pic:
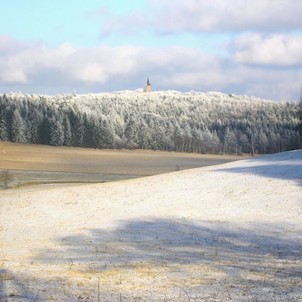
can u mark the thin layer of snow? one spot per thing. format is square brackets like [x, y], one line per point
[231, 232]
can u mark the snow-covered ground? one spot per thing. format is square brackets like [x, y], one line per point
[231, 232]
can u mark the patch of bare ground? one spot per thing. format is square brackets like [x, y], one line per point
[22, 164]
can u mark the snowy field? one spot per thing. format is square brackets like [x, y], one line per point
[230, 232]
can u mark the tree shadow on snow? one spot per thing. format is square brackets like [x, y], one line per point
[13, 288]
[243, 262]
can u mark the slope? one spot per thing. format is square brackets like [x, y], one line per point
[223, 233]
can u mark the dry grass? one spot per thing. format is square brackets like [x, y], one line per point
[22, 164]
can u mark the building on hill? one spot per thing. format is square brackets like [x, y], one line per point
[148, 86]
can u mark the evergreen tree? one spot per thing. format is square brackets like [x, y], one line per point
[56, 132]
[44, 131]
[18, 128]
[106, 134]
[178, 139]
[67, 131]
[143, 137]
[300, 117]
[230, 142]
[34, 119]
[262, 143]
[4, 135]
[131, 133]
[186, 122]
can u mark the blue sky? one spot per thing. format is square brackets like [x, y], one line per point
[234, 46]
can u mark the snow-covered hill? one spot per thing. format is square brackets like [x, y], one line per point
[231, 232]
[196, 122]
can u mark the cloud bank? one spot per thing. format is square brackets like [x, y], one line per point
[232, 15]
[275, 50]
[258, 51]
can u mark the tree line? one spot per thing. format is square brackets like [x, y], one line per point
[173, 121]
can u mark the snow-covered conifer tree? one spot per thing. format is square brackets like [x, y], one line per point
[56, 132]
[18, 128]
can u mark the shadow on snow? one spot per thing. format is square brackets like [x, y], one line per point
[255, 257]
[251, 262]
[285, 166]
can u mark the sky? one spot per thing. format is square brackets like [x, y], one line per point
[233, 46]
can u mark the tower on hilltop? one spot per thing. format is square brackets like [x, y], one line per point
[148, 86]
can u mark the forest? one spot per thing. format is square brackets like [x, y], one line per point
[197, 122]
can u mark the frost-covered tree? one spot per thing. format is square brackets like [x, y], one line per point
[106, 135]
[18, 128]
[77, 122]
[263, 142]
[230, 142]
[178, 139]
[67, 131]
[300, 124]
[34, 120]
[131, 133]
[186, 122]
[56, 132]
[4, 131]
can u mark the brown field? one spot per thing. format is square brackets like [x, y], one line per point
[22, 164]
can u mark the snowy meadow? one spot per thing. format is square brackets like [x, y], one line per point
[229, 232]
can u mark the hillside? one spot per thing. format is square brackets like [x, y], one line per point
[169, 121]
[229, 232]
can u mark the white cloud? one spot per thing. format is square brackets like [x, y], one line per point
[92, 73]
[276, 50]
[7, 44]
[42, 69]
[96, 65]
[13, 68]
[178, 16]
[213, 15]
[13, 76]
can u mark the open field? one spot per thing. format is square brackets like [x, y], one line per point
[33, 164]
[231, 232]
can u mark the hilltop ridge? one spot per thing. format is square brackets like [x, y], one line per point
[170, 121]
